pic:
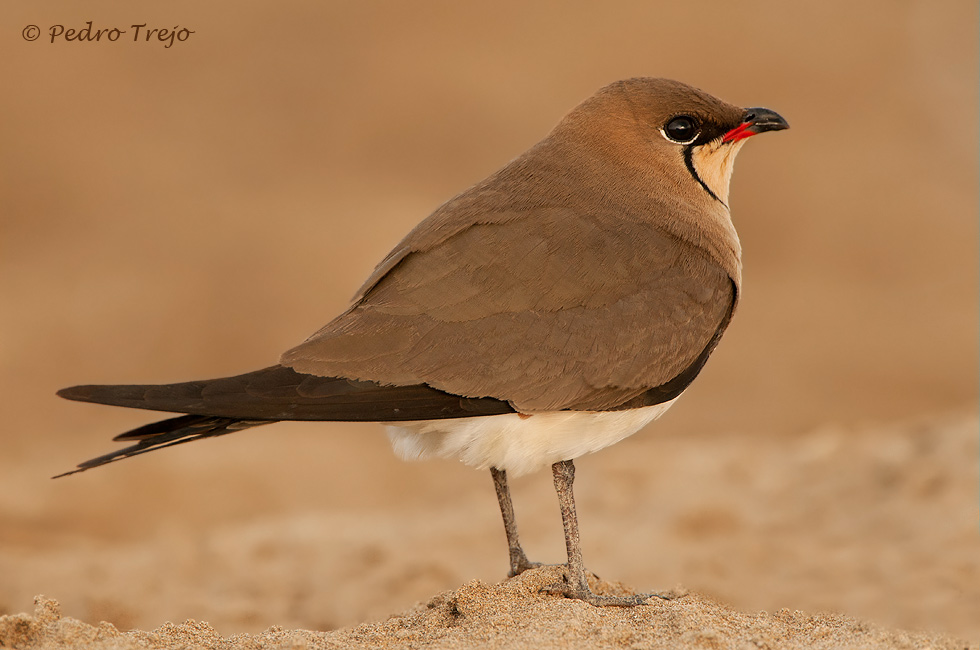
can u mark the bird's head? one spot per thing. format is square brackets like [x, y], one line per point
[675, 131]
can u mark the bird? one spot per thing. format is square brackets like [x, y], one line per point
[548, 311]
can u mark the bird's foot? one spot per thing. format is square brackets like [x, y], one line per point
[582, 591]
[519, 564]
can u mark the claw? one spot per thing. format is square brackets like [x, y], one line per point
[522, 565]
[585, 594]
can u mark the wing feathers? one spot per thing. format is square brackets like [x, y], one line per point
[551, 311]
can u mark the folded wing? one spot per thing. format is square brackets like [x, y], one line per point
[547, 310]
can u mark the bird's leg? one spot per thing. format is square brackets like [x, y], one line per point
[518, 561]
[577, 584]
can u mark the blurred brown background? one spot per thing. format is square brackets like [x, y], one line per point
[192, 211]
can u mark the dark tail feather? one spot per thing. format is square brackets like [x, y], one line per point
[215, 407]
[168, 433]
[279, 393]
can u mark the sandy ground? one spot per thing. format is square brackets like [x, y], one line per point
[192, 211]
[877, 523]
[507, 615]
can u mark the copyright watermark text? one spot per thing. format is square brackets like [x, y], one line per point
[138, 33]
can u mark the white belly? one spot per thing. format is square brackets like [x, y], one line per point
[519, 444]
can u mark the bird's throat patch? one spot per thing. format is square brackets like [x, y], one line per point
[711, 164]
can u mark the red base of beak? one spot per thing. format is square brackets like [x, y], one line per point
[740, 132]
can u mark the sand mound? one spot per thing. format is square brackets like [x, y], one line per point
[511, 614]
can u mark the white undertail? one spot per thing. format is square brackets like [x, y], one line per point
[519, 443]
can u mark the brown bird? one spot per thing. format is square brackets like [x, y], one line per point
[548, 311]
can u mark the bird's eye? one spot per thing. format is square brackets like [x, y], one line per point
[681, 129]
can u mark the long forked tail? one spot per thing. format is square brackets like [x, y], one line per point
[215, 407]
[167, 433]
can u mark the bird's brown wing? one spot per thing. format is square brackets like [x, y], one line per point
[547, 310]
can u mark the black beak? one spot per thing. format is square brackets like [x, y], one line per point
[756, 120]
[762, 119]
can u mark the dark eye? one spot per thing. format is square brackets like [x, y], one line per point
[682, 129]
